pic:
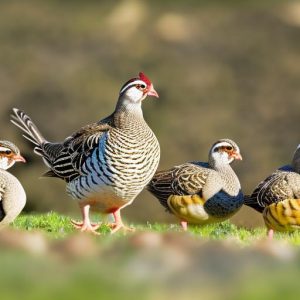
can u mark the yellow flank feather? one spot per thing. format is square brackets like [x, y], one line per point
[283, 216]
[190, 208]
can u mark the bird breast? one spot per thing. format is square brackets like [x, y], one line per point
[123, 161]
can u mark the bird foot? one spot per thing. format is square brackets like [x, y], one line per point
[117, 226]
[270, 234]
[184, 225]
[86, 227]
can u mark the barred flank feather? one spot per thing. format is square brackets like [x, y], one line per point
[252, 202]
[283, 216]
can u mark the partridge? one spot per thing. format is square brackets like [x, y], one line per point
[12, 194]
[278, 197]
[198, 192]
[105, 164]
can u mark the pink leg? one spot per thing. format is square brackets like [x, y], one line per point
[184, 225]
[270, 234]
[118, 224]
[86, 225]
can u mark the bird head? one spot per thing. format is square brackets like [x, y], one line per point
[137, 89]
[9, 154]
[296, 160]
[225, 151]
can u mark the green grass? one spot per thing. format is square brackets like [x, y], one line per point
[59, 226]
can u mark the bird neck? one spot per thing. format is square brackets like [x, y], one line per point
[6, 163]
[128, 113]
[231, 182]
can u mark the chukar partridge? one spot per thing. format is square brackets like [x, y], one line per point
[105, 164]
[278, 197]
[201, 193]
[12, 194]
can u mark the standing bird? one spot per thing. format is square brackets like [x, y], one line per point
[278, 198]
[12, 194]
[201, 193]
[105, 164]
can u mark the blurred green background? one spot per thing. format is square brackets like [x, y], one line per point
[222, 69]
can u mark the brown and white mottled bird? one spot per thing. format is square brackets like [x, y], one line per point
[12, 194]
[201, 193]
[278, 197]
[105, 164]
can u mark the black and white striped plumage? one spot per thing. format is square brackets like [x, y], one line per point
[108, 163]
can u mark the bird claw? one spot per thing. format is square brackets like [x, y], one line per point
[116, 227]
[84, 227]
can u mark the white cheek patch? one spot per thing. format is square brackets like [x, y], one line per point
[298, 147]
[134, 94]
[5, 163]
[222, 157]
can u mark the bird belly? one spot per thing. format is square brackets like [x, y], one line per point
[196, 210]
[223, 205]
[283, 215]
[102, 198]
[105, 201]
[191, 208]
[14, 197]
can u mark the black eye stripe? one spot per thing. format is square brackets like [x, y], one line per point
[130, 85]
[228, 148]
[7, 151]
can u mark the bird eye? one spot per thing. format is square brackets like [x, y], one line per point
[140, 86]
[7, 151]
[229, 148]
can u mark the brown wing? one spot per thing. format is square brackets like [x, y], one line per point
[273, 189]
[186, 179]
[67, 161]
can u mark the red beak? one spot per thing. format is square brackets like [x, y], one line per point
[152, 92]
[19, 158]
[236, 156]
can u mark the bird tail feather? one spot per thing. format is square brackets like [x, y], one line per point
[32, 134]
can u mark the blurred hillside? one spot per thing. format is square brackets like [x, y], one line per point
[222, 69]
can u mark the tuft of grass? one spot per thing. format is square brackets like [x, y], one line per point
[52, 223]
[59, 226]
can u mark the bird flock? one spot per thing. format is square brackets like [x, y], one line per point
[106, 164]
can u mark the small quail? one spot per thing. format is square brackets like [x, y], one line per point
[278, 197]
[12, 194]
[201, 193]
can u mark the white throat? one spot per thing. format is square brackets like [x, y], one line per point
[5, 163]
